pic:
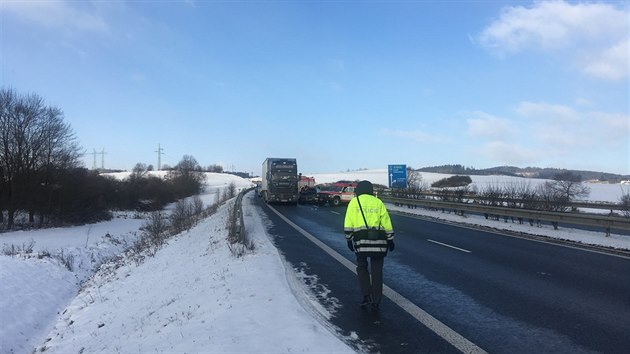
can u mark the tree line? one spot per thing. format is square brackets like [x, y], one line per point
[41, 175]
[165, 167]
[552, 195]
[530, 172]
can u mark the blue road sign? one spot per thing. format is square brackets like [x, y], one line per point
[397, 176]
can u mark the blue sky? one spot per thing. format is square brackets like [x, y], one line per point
[337, 84]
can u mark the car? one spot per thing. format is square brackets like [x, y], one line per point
[335, 194]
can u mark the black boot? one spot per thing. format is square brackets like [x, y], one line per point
[367, 300]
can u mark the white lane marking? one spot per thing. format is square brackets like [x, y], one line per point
[335, 212]
[504, 234]
[439, 328]
[446, 245]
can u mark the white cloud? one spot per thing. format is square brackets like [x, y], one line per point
[506, 153]
[608, 64]
[583, 102]
[613, 127]
[565, 128]
[485, 124]
[56, 14]
[551, 134]
[549, 113]
[594, 36]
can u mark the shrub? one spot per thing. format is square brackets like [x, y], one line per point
[453, 181]
[180, 218]
[625, 204]
[12, 250]
[155, 229]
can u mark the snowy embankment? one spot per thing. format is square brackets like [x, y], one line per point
[192, 296]
[34, 290]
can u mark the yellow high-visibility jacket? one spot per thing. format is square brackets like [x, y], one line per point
[376, 217]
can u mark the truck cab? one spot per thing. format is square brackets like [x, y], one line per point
[279, 181]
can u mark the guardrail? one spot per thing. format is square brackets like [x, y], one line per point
[607, 222]
[237, 224]
[505, 201]
[236, 232]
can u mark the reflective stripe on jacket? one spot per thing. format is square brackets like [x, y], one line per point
[376, 217]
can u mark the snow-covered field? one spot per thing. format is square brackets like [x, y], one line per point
[600, 192]
[193, 295]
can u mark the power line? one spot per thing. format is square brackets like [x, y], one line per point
[94, 154]
[103, 159]
[160, 152]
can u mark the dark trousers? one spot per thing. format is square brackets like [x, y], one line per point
[372, 286]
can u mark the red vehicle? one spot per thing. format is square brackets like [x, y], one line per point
[306, 182]
[335, 193]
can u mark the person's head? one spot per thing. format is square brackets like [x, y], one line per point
[364, 187]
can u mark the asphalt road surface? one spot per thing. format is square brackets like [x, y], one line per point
[458, 289]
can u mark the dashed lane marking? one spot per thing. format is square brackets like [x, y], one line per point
[447, 245]
[439, 328]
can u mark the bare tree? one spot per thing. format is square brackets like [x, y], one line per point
[491, 195]
[188, 164]
[3, 195]
[415, 183]
[231, 190]
[624, 200]
[156, 228]
[197, 205]
[215, 168]
[180, 218]
[36, 146]
[550, 198]
[187, 174]
[569, 185]
[139, 170]
[460, 194]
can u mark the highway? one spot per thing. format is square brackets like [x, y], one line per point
[452, 289]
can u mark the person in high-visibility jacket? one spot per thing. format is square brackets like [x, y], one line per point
[369, 234]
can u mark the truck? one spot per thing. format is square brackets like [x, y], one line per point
[306, 182]
[279, 180]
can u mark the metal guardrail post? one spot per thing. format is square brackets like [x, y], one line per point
[239, 223]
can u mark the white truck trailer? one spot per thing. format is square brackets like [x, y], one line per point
[279, 180]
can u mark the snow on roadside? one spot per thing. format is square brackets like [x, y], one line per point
[32, 293]
[34, 290]
[194, 296]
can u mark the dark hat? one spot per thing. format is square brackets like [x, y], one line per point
[364, 187]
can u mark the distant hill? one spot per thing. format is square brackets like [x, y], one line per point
[529, 172]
